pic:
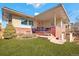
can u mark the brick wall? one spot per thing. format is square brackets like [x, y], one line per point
[24, 31]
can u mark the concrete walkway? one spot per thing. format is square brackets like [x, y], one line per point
[53, 39]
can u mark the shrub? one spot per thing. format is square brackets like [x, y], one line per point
[9, 31]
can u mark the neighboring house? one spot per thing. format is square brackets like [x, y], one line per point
[75, 28]
[53, 21]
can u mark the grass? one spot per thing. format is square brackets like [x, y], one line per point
[36, 47]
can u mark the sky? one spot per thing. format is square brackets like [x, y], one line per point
[33, 9]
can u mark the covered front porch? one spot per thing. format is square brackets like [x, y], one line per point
[52, 22]
[52, 26]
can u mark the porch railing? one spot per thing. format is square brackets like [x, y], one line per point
[44, 31]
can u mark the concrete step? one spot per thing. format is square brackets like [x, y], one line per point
[53, 39]
[57, 41]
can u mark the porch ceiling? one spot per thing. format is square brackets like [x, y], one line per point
[57, 11]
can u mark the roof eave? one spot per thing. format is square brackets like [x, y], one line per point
[15, 12]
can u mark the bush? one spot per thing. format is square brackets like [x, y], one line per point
[9, 31]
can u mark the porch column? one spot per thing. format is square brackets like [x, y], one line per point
[53, 28]
[61, 24]
[62, 32]
[54, 20]
[71, 33]
[71, 37]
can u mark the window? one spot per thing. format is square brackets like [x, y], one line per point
[9, 16]
[30, 22]
[27, 21]
[24, 22]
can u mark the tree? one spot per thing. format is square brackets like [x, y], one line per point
[1, 31]
[9, 31]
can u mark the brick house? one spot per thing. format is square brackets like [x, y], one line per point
[54, 21]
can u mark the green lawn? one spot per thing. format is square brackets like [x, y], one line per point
[38, 46]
